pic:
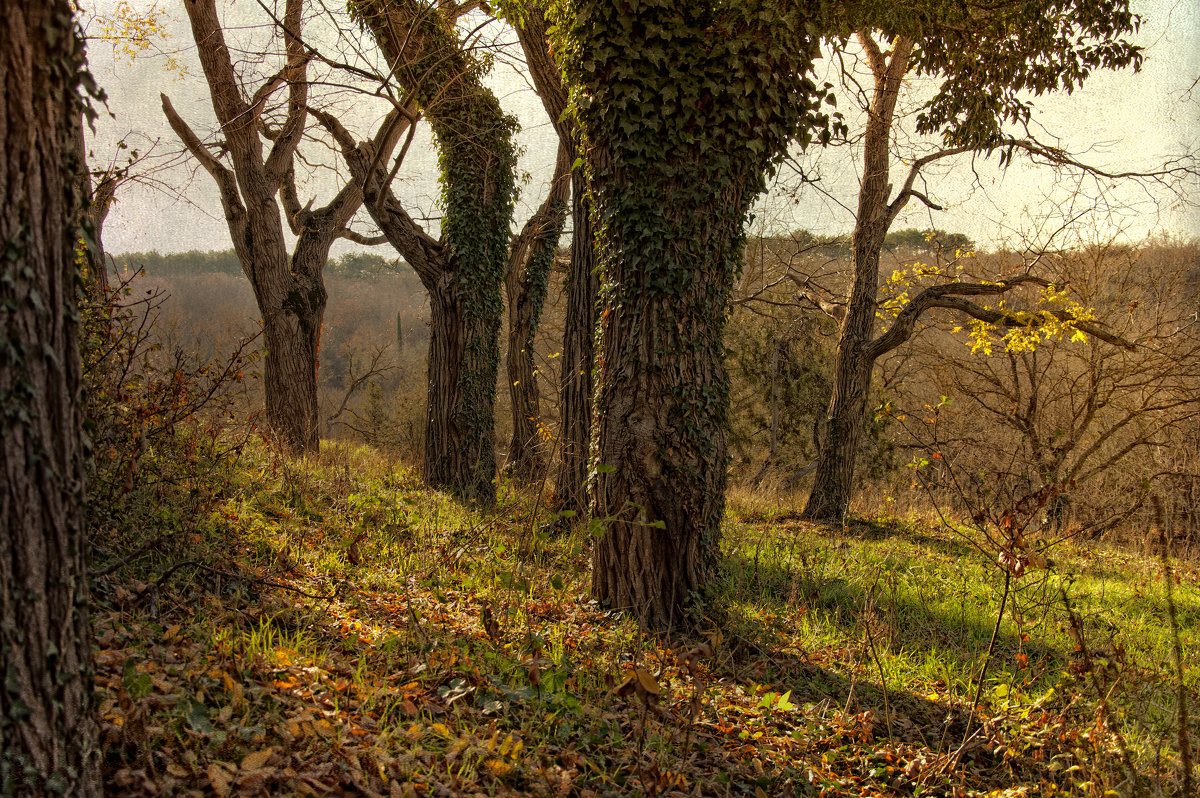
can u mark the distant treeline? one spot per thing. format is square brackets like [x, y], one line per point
[365, 265]
[928, 241]
[179, 264]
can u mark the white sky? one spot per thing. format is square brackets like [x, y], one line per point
[1122, 121]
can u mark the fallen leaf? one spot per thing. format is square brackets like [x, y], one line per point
[258, 759]
[219, 779]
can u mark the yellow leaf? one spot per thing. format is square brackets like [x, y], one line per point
[257, 760]
[219, 779]
[497, 767]
[441, 729]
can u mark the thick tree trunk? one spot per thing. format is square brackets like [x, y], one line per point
[525, 285]
[47, 734]
[662, 395]
[675, 152]
[459, 440]
[843, 425]
[464, 272]
[579, 335]
[292, 331]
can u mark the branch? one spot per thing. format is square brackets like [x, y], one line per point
[231, 201]
[292, 131]
[834, 310]
[950, 296]
[373, 370]
[424, 253]
[906, 191]
[359, 238]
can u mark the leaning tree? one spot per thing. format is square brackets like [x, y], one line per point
[463, 270]
[990, 60]
[47, 734]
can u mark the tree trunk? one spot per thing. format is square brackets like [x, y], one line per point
[525, 284]
[47, 734]
[459, 445]
[843, 425]
[579, 335]
[289, 291]
[464, 272]
[293, 337]
[681, 116]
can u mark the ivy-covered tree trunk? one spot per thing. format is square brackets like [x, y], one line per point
[525, 285]
[578, 356]
[47, 734]
[464, 272]
[676, 150]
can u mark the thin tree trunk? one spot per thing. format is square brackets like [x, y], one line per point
[579, 335]
[582, 284]
[525, 284]
[47, 733]
[842, 428]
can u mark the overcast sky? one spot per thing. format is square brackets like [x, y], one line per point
[1119, 121]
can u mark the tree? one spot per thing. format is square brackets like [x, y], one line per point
[289, 289]
[47, 734]
[533, 252]
[583, 281]
[682, 108]
[985, 58]
[525, 285]
[464, 271]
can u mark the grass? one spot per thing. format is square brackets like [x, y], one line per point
[342, 630]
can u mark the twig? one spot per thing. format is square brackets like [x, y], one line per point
[158, 583]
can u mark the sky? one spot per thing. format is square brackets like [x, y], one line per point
[1122, 121]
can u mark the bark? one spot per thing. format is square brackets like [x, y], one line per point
[47, 733]
[289, 291]
[843, 425]
[583, 282]
[579, 336]
[661, 404]
[464, 272]
[525, 285]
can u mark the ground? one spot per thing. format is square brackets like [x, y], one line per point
[330, 627]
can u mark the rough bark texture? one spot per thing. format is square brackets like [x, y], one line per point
[525, 286]
[290, 293]
[47, 734]
[464, 272]
[583, 282]
[682, 109]
[842, 427]
[578, 356]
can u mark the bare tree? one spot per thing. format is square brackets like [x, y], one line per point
[288, 287]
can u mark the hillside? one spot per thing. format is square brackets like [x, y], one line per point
[329, 627]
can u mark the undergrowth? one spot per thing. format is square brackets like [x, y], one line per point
[330, 627]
